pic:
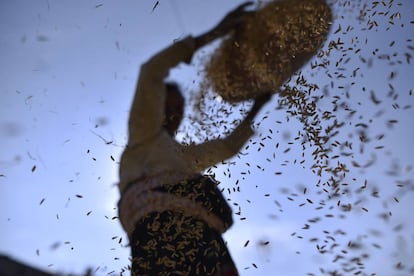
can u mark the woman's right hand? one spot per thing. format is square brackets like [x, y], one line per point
[230, 22]
[233, 19]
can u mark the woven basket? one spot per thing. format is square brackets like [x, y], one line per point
[273, 44]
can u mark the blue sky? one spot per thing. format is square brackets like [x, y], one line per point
[68, 74]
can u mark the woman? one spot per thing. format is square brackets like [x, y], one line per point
[173, 215]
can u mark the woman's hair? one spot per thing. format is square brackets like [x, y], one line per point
[172, 86]
[174, 107]
[174, 91]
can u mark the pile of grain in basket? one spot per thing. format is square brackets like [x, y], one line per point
[274, 43]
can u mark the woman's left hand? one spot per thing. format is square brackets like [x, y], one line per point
[259, 102]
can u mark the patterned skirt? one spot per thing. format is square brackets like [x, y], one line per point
[175, 242]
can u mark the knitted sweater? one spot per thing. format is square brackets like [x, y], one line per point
[151, 151]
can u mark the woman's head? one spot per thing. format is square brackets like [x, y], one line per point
[174, 108]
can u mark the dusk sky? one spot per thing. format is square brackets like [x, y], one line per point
[68, 72]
